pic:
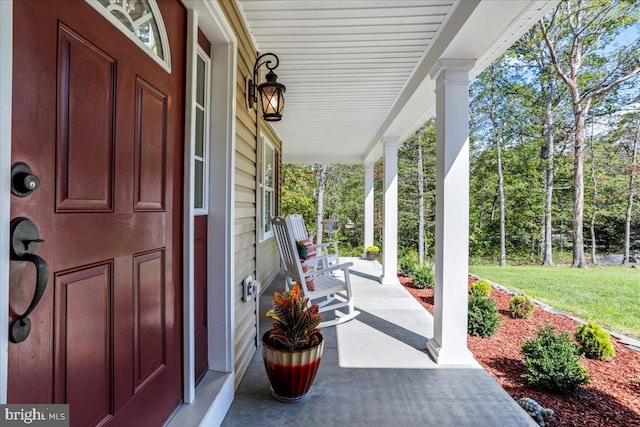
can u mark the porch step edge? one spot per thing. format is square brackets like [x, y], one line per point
[214, 396]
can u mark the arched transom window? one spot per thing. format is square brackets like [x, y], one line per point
[142, 22]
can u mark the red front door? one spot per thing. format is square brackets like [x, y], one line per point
[101, 124]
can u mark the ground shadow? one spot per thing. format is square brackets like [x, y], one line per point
[364, 275]
[393, 330]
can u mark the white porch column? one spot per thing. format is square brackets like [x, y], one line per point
[390, 220]
[368, 205]
[449, 343]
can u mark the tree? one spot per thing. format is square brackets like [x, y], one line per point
[589, 71]
[531, 48]
[496, 124]
[628, 133]
[321, 179]
[297, 190]
[594, 208]
[497, 140]
[416, 192]
[633, 170]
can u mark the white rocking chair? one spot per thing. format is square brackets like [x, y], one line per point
[300, 233]
[334, 292]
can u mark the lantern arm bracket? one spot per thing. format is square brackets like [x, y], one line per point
[252, 85]
[266, 62]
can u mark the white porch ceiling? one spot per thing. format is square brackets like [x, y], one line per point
[357, 71]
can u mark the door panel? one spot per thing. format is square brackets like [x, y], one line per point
[86, 94]
[149, 319]
[200, 295]
[150, 143]
[84, 344]
[101, 124]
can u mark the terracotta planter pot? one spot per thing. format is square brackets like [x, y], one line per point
[372, 256]
[291, 373]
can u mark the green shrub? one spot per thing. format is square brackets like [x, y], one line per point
[483, 315]
[552, 363]
[423, 277]
[408, 265]
[594, 342]
[481, 286]
[521, 307]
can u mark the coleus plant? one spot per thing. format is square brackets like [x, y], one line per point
[296, 322]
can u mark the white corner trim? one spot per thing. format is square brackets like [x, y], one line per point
[6, 82]
[222, 210]
[188, 299]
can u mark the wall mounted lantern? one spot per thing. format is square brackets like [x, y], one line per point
[271, 92]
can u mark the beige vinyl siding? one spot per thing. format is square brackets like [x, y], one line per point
[268, 262]
[247, 252]
[245, 195]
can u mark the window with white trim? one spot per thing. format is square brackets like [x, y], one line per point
[201, 144]
[141, 21]
[267, 185]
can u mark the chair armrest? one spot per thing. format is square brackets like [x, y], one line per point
[325, 247]
[322, 245]
[318, 260]
[334, 267]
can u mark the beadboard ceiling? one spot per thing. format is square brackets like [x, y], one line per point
[357, 71]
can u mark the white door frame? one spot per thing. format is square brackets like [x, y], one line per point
[209, 17]
[6, 81]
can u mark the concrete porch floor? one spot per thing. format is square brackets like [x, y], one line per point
[375, 371]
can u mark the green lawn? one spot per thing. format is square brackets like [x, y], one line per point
[610, 296]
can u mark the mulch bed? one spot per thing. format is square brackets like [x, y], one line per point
[611, 399]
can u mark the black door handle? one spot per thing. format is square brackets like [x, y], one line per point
[21, 327]
[24, 242]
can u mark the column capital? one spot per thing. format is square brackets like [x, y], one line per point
[369, 165]
[456, 65]
[391, 142]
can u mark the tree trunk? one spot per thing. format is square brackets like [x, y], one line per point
[578, 190]
[497, 137]
[592, 227]
[322, 180]
[632, 190]
[421, 203]
[549, 172]
[503, 252]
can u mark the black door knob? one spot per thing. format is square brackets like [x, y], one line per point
[23, 181]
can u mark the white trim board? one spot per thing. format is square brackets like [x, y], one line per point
[188, 299]
[6, 81]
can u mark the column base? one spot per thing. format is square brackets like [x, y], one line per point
[389, 280]
[445, 356]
